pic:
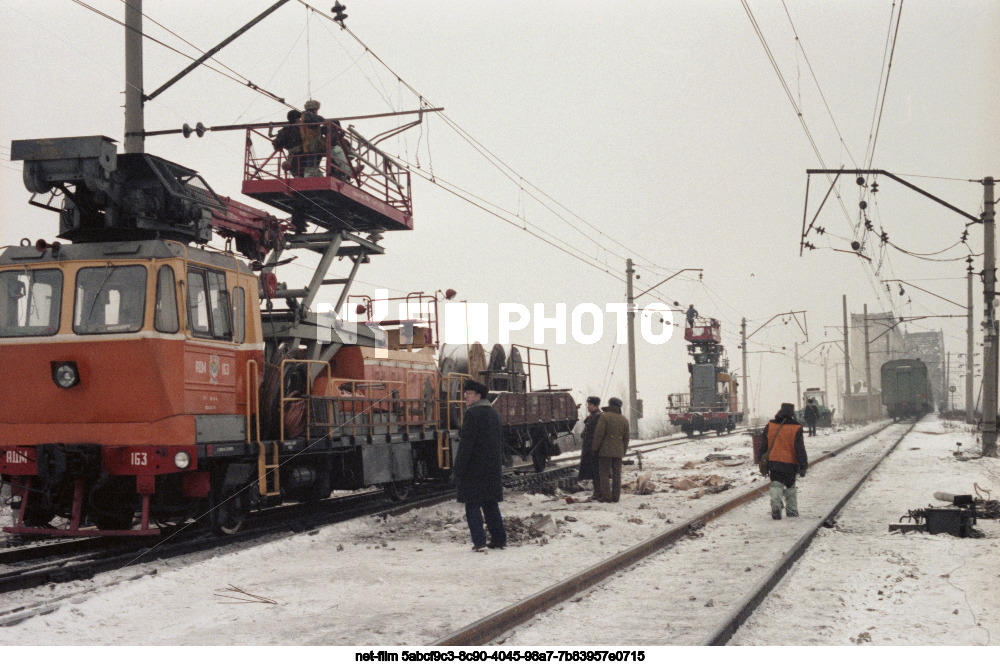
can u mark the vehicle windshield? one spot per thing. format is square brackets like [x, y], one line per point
[30, 301]
[109, 299]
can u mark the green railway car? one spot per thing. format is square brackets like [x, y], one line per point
[906, 390]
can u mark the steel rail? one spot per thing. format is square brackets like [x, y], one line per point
[725, 630]
[332, 511]
[493, 626]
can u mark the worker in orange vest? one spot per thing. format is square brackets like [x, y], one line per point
[786, 456]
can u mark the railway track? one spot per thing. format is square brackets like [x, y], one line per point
[495, 626]
[40, 564]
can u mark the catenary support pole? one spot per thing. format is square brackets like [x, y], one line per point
[868, 368]
[633, 397]
[989, 323]
[970, 363]
[847, 369]
[743, 346]
[798, 383]
[134, 123]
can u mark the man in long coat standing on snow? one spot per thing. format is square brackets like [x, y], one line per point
[611, 439]
[588, 458]
[478, 468]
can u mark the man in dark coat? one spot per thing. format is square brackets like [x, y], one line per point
[289, 139]
[610, 443]
[588, 458]
[786, 456]
[478, 468]
[811, 415]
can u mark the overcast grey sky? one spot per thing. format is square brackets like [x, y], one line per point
[660, 127]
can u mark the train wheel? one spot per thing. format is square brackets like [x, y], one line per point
[398, 490]
[228, 516]
[538, 457]
[37, 516]
[320, 489]
[112, 503]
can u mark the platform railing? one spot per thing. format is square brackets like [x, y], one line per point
[368, 168]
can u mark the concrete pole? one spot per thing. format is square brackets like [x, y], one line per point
[798, 384]
[868, 365]
[847, 368]
[826, 381]
[840, 395]
[990, 323]
[134, 122]
[743, 345]
[970, 364]
[947, 382]
[633, 397]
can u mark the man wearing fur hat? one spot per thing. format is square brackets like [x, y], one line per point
[786, 456]
[478, 468]
[313, 138]
[588, 458]
[611, 438]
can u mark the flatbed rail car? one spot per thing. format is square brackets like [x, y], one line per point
[151, 380]
[711, 401]
[906, 388]
[533, 416]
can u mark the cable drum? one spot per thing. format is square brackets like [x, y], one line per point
[462, 359]
[498, 358]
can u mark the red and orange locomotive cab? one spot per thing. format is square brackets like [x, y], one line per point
[123, 361]
[125, 357]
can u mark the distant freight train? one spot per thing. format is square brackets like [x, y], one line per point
[906, 390]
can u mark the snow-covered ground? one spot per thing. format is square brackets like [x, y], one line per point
[411, 579]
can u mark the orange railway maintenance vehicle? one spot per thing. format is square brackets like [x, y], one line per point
[145, 379]
[711, 401]
[153, 379]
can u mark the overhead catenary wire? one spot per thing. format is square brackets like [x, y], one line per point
[244, 82]
[873, 138]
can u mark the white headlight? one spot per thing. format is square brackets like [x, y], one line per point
[66, 375]
[182, 460]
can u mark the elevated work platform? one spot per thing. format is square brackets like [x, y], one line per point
[349, 185]
[701, 331]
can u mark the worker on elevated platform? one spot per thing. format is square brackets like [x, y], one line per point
[315, 129]
[289, 139]
[691, 315]
[313, 134]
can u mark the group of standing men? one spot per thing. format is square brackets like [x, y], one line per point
[478, 465]
[605, 442]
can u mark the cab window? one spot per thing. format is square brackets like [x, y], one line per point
[208, 304]
[109, 299]
[166, 301]
[30, 301]
[239, 315]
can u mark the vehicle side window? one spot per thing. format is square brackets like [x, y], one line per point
[110, 299]
[197, 304]
[239, 315]
[221, 312]
[30, 302]
[208, 304]
[166, 319]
